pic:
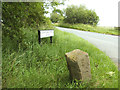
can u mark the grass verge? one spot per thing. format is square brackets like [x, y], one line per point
[85, 27]
[44, 66]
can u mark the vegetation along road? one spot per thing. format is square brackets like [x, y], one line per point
[106, 43]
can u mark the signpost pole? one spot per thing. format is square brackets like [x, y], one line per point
[39, 36]
[50, 39]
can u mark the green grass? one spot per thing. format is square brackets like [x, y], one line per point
[85, 27]
[44, 66]
[119, 79]
[0, 57]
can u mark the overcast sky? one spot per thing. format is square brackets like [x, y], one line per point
[107, 10]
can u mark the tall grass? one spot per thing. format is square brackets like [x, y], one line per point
[44, 66]
[85, 27]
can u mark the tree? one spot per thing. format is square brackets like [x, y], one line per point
[52, 4]
[58, 11]
[75, 14]
[18, 14]
[56, 16]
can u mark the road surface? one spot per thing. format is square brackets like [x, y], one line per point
[106, 43]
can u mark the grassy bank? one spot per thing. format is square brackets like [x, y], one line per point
[98, 29]
[44, 66]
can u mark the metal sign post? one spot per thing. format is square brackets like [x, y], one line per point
[39, 39]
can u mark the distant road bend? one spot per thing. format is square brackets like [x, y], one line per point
[106, 43]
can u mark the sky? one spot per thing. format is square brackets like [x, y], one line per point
[107, 10]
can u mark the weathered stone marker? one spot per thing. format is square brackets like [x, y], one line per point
[78, 65]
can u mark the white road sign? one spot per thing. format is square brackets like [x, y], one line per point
[46, 33]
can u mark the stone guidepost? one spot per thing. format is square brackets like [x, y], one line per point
[78, 64]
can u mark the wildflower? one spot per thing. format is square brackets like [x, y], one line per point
[110, 73]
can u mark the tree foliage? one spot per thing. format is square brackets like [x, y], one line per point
[53, 3]
[16, 15]
[75, 14]
[56, 16]
[58, 11]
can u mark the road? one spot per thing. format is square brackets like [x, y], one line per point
[106, 43]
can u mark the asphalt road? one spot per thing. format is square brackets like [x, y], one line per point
[106, 43]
